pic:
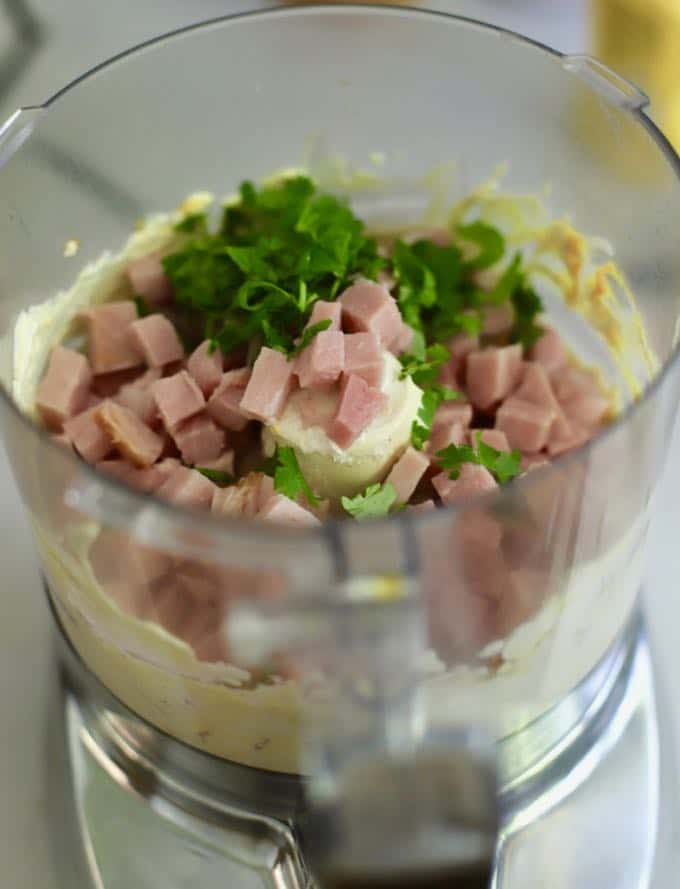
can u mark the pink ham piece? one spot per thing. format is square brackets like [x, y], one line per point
[526, 425]
[283, 511]
[187, 487]
[145, 480]
[316, 408]
[359, 405]
[110, 343]
[326, 311]
[177, 398]
[425, 506]
[369, 307]
[453, 412]
[535, 387]
[133, 439]
[224, 405]
[87, 436]
[494, 438]
[269, 386]
[462, 344]
[549, 351]
[148, 279]
[63, 390]
[245, 499]
[206, 367]
[407, 472]
[497, 319]
[580, 396]
[364, 357]
[472, 481]
[444, 434]
[322, 361]
[491, 374]
[137, 396]
[199, 440]
[223, 463]
[577, 436]
[156, 339]
[403, 340]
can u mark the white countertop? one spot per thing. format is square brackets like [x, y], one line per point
[26, 665]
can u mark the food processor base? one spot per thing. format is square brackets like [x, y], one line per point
[133, 808]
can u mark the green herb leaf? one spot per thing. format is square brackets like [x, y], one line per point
[501, 464]
[142, 306]
[511, 279]
[488, 239]
[374, 503]
[218, 476]
[308, 335]
[422, 425]
[424, 371]
[527, 307]
[288, 477]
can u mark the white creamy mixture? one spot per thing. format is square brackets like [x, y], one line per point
[207, 705]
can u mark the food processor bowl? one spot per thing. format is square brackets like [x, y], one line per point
[294, 651]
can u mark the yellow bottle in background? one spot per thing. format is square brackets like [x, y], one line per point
[640, 39]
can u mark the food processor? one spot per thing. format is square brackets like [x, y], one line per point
[379, 703]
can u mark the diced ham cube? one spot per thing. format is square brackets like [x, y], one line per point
[109, 384]
[322, 361]
[491, 374]
[199, 440]
[326, 311]
[472, 481]
[497, 319]
[577, 436]
[369, 307]
[156, 339]
[224, 405]
[407, 472]
[453, 412]
[177, 398]
[146, 480]
[359, 405]
[133, 439]
[403, 340]
[526, 425]
[64, 389]
[87, 436]
[574, 381]
[284, 511]
[549, 351]
[535, 387]
[269, 386]
[187, 487]
[586, 408]
[425, 506]
[148, 279]
[245, 499]
[110, 343]
[223, 463]
[462, 344]
[206, 367]
[364, 357]
[316, 408]
[62, 440]
[444, 434]
[492, 437]
[137, 396]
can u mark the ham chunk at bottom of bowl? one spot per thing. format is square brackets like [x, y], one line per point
[156, 339]
[472, 481]
[64, 389]
[491, 374]
[369, 307]
[110, 343]
[359, 405]
[148, 279]
[133, 438]
[269, 386]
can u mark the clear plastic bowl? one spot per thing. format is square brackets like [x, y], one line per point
[489, 639]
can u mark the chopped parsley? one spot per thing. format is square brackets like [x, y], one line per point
[423, 371]
[278, 249]
[422, 425]
[218, 476]
[489, 241]
[142, 306]
[527, 306]
[288, 477]
[502, 465]
[375, 503]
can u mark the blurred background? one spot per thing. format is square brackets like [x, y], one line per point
[44, 43]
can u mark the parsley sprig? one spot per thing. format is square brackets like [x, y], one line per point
[503, 465]
[278, 249]
[422, 425]
[375, 502]
[288, 477]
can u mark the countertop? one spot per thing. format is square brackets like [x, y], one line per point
[61, 39]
